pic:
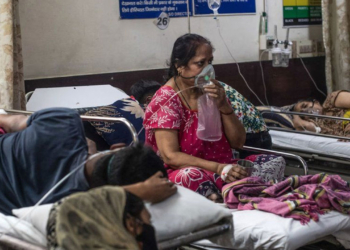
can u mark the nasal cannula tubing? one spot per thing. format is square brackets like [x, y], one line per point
[13, 227]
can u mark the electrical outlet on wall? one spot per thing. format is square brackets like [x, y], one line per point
[306, 48]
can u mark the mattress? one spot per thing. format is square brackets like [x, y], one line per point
[253, 229]
[310, 144]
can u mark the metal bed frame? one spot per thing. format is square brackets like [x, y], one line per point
[318, 161]
[9, 242]
[92, 118]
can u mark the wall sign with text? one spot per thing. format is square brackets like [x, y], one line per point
[139, 9]
[227, 7]
[302, 12]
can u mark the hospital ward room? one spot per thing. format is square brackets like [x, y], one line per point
[174, 125]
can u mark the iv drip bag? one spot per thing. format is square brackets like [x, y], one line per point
[214, 5]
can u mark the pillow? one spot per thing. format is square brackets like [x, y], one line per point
[113, 132]
[38, 217]
[276, 119]
[183, 213]
[180, 214]
[20, 229]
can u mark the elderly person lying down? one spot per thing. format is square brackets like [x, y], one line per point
[336, 104]
[38, 151]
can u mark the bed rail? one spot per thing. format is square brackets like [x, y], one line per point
[92, 118]
[311, 115]
[288, 155]
[216, 229]
[274, 110]
[308, 133]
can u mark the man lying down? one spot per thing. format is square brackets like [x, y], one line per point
[36, 152]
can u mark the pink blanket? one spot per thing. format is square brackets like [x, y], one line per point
[298, 197]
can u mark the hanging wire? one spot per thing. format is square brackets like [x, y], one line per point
[239, 70]
[311, 76]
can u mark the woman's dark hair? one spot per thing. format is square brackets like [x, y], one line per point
[313, 100]
[133, 206]
[143, 88]
[184, 49]
[127, 166]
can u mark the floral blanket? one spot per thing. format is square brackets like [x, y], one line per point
[298, 197]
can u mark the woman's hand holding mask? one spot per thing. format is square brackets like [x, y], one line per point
[217, 92]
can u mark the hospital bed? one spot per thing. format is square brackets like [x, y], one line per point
[322, 152]
[218, 232]
[11, 242]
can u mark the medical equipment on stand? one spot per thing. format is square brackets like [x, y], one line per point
[280, 58]
[276, 51]
[214, 5]
[286, 51]
[263, 24]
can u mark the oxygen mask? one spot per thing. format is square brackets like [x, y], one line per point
[205, 76]
[312, 111]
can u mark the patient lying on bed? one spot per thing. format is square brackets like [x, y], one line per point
[336, 104]
[37, 152]
[102, 218]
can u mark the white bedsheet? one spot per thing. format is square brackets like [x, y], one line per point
[252, 230]
[311, 144]
[255, 229]
[23, 230]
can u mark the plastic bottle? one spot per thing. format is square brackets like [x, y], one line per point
[276, 57]
[285, 57]
[263, 24]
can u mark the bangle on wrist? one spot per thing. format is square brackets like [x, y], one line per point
[229, 113]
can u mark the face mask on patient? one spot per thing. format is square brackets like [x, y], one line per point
[147, 237]
[204, 77]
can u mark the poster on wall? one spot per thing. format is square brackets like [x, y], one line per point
[227, 7]
[302, 13]
[139, 9]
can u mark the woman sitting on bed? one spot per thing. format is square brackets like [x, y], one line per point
[171, 123]
[336, 104]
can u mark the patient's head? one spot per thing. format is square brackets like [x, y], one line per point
[144, 90]
[308, 105]
[137, 221]
[185, 48]
[127, 166]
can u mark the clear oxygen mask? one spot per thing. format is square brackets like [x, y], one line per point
[205, 76]
[312, 111]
